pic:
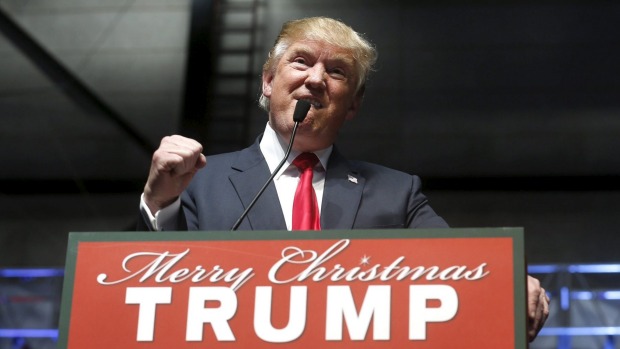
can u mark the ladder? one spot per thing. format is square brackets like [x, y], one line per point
[233, 96]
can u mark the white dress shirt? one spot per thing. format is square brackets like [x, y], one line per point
[273, 149]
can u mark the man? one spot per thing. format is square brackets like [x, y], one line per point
[326, 63]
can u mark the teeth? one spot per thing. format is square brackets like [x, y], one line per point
[313, 103]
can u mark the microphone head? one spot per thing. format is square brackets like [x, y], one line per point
[301, 110]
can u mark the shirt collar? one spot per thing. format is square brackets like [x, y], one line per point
[273, 148]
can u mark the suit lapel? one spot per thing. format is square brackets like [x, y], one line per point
[342, 193]
[252, 174]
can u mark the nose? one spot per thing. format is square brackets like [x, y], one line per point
[316, 76]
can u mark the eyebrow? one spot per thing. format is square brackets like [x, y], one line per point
[344, 58]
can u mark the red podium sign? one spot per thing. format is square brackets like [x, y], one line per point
[440, 288]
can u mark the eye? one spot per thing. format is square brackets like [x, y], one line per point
[300, 60]
[338, 73]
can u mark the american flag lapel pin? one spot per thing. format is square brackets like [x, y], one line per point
[352, 179]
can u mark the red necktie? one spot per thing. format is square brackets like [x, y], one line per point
[305, 207]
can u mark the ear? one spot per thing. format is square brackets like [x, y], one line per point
[267, 79]
[355, 106]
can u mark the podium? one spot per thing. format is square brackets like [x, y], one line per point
[425, 288]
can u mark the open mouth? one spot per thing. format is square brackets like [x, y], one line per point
[314, 103]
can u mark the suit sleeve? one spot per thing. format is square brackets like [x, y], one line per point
[420, 214]
[170, 218]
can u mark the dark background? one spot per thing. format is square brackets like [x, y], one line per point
[509, 111]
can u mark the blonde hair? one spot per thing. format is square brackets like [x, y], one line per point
[330, 31]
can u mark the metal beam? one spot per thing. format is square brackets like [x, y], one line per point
[18, 186]
[65, 80]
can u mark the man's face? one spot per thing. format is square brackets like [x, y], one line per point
[322, 74]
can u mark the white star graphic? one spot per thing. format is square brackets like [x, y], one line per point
[365, 260]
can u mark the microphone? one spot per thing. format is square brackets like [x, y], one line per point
[301, 110]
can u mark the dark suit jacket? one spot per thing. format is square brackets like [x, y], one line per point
[357, 195]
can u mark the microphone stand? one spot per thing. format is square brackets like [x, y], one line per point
[301, 109]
